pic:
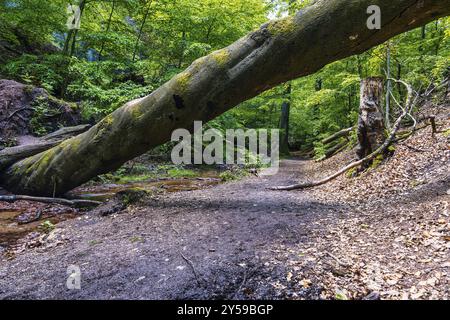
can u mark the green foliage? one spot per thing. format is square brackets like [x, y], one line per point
[233, 174]
[113, 62]
[47, 226]
[40, 114]
[181, 173]
[46, 71]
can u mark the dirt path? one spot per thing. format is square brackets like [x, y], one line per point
[384, 234]
[211, 243]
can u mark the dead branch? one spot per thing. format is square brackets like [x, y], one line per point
[67, 132]
[332, 151]
[65, 202]
[191, 265]
[343, 264]
[342, 133]
[405, 111]
[17, 111]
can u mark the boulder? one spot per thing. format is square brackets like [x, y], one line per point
[28, 110]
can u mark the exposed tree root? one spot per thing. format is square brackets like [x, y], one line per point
[65, 202]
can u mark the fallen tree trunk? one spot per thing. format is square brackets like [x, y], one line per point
[333, 150]
[279, 51]
[11, 155]
[343, 133]
[370, 157]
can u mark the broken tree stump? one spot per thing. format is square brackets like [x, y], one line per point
[371, 127]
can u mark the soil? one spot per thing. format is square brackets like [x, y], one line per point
[384, 234]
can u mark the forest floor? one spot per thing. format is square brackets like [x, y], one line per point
[384, 234]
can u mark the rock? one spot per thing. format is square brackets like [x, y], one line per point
[19, 104]
[121, 201]
[372, 296]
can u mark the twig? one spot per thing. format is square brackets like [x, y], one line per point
[17, 111]
[189, 262]
[242, 283]
[343, 264]
[176, 231]
[413, 149]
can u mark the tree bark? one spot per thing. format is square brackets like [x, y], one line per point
[343, 133]
[275, 53]
[75, 32]
[141, 29]
[371, 126]
[11, 155]
[284, 121]
[108, 27]
[387, 112]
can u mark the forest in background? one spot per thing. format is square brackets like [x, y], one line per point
[127, 48]
[93, 204]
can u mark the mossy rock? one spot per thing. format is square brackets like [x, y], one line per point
[132, 196]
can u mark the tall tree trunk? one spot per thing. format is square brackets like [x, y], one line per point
[371, 126]
[388, 86]
[284, 120]
[399, 76]
[70, 42]
[75, 32]
[141, 29]
[67, 42]
[108, 27]
[277, 52]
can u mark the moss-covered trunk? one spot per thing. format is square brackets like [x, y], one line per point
[277, 52]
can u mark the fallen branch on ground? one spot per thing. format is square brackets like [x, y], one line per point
[405, 112]
[332, 151]
[342, 133]
[191, 265]
[65, 202]
[66, 132]
[17, 111]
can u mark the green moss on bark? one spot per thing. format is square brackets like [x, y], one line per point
[282, 26]
[221, 57]
[182, 81]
